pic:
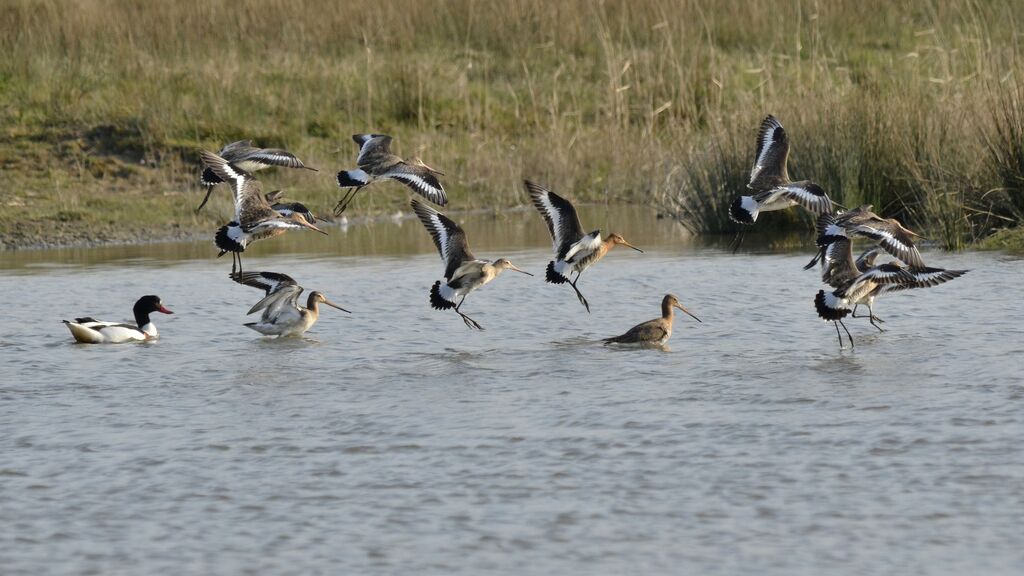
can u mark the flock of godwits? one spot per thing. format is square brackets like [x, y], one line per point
[853, 282]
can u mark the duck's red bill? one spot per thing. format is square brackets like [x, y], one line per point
[164, 310]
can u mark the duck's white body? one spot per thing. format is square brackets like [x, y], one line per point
[90, 331]
[97, 332]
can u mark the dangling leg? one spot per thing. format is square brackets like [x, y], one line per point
[873, 318]
[838, 335]
[209, 189]
[345, 200]
[737, 240]
[468, 321]
[580, 294]
[847, 335]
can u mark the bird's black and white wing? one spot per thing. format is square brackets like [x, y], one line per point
[280, 289]
[560, 216]
[371, 146]
[772, 151]
[892, 238]
[867, 258]
[448, 237]
[248, 192]
[420, 179]
[925, 278]
[271, 157]
[883, 274]
[805, 193]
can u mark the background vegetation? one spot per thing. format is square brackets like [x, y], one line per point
[915, 107]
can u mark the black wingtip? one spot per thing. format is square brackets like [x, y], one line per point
[554, 277]
[819, 257]
[436, 301]
[346, 181]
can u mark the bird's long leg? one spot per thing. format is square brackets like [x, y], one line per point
[847, 335]
[737, 240]
[209, 189]
[872, 318]
[466, 319]
[346, 200]
[838, 335]
[234, 261]
[580, 294]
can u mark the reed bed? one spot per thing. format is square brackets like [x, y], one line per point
[914, 107]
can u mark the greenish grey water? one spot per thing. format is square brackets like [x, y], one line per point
[396, 441]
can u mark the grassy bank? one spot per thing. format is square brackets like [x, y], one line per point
[915, 107]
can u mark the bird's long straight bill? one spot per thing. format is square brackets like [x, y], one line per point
[520, 271]
[680, 306]
[333, 305]
[303, 222]
[624, 243]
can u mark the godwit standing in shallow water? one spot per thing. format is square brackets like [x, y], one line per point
[858, 282]
[769, 179]
[574, 250]
[249, 159]
[254, 218]
[90, 331]
[462, 271]
[282, 313]
[376, 162]
[653, 332]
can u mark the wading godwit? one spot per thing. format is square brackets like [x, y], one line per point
[90, 331]
[463, 273]
[376, 162]
[282, 313]
[653, 332]
[859, 282]
[254, 218]
[248, 159]
[574, 250]
[769, 180]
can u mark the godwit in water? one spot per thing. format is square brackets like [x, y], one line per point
[860, 282]
[90, 331]
[254, 218]
[463, 273]
[769, 180]
[248, 159]
[282, 313]
[376, 162]
[574, 250]
[653, 332]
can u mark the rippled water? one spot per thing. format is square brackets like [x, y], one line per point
[397, 441]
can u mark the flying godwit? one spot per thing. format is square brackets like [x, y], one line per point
[282, 313]
[286, 208]
[254, 218]
[248, 159]
[463, 273]
[653, 332]
[90, 331]
[889, 234]
[574, 250]
[769, 180]
[376, 162]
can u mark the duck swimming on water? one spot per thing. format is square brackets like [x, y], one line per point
[90, 331]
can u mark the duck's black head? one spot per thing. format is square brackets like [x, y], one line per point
[146, 306]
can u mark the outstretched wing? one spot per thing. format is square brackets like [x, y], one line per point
[805, 193]
[371, 146]
[560, 216]
[925, 278]
[271, 157]
[449, 238]
[420, 179]
[893, 238]
[269, 282]
[249, 200]
[769, 168]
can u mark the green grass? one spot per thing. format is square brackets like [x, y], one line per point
[915, 107]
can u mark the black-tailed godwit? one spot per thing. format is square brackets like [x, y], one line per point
[376, 162]
[463, 272]
[282, 313]
[653, 332]
[574, 250]
[249, 159]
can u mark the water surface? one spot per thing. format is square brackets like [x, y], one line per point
[397, 441]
